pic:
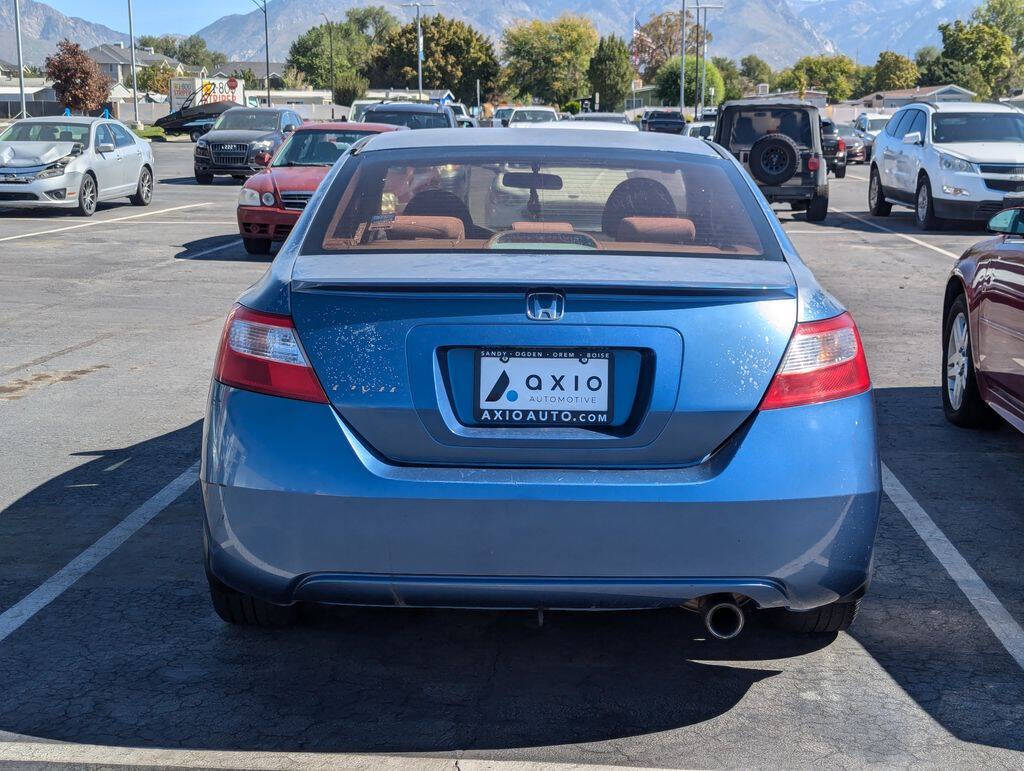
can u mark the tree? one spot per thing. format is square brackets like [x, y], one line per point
[660, 39]
[162, 44]
[246, 75]
[792, 79]
[310, 54]
[549, 59]
[372, 21]
[455, 56]
[153, 78]
[893, 70]
[735, 84]
[835, 74]
[755, 69]
[611, 71]
[667, 82]
[863, 81]
[77, 79]
[293, 79]
[192, 50]
[981, 47]
[929, 66]
[1004, 15]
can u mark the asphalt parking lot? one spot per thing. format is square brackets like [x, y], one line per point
[107, 334]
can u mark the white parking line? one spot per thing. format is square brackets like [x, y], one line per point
[94, 223]
[53, 587]
[854, 176]
[884, 229]
[998, 618]
[211, 250]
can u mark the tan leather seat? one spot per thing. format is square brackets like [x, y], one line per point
[657, 230]
[407, 227]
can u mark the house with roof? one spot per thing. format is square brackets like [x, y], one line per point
[878, 101]
[115, 60]
[259, 69]
[36, 89]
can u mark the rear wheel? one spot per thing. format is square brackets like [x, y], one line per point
[835, 617]
[257, 245]
[924, 211]
[87, 196]
[961, 399]
[817, 209]
[237, 608]
[144, 190]
[195, 134]
[204, 178]
[840, 172]
[877, 204]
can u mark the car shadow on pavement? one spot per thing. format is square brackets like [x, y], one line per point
[221, 249]
[902, 221]
[134, 655]
[915, 621]
[191, 181]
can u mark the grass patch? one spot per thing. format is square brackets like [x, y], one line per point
[150, 132]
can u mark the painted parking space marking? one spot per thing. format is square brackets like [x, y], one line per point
[884, 229]
[998, 618]
[53, 587]
[95, 223]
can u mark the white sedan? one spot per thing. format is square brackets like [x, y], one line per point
[73, 163]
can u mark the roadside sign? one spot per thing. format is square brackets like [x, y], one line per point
[232, 84]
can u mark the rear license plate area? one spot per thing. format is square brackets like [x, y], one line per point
[543, 386]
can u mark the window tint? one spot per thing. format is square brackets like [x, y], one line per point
[103, 135]
[744, 127]
[37, 131]
[121, 136]
[414, 120]
[894, 124]
[977, 127]
[248, 120]
[917, 123]
[548, 199]
[316, 148]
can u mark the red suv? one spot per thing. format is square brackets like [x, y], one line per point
[271, 201]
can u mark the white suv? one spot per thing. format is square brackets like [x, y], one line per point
[952, 160]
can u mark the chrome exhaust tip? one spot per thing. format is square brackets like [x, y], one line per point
[723, 618]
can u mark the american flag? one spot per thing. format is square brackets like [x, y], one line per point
[638, 36]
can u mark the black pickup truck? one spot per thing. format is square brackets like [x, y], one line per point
[666, 121]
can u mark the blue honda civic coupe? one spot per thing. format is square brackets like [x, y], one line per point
[539, 369]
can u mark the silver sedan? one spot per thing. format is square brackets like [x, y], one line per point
[73, 163]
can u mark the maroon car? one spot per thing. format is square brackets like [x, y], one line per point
[271, 201]
[983, 328]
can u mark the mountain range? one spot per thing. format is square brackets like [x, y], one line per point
[779, 31]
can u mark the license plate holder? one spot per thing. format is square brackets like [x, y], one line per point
[532, 386]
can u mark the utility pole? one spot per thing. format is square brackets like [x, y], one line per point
[21, 61]
[135, 80]
[682, 64]
[262, 5]
[419, 42]
[704, 58]
[330, 38]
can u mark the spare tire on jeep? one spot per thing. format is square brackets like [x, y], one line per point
[773, 159]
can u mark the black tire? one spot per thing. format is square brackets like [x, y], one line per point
[144, 189]
[798, 205]
[972, 411]
[773, 159]
[204, 178]
[924, 207]
[840, 172]
[835, 617]
[242, 609]
[877, 204]
[257, 245]
[817, 209]
[195, 134]
[88, 196]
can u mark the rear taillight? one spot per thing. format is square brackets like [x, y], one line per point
[261, 352]
[824, 361]
[841, 147]
[813, 163]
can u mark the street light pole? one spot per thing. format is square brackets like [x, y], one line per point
[135, 81]
[262, 5]
[330, 38]
[21, 62]
[419, 42]
[682, 63]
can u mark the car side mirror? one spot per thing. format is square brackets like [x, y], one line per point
[1008, 221]
[105, 147]
[504, 122]
[913, 138]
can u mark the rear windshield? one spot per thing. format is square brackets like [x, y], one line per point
[414, 120]
[316, 148]
[597, 117]
[744, 127]
[32, 131]
[977, 127]
[533, 116]
[247, 120]
[551, 199]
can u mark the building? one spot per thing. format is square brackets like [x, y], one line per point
[259, 69]
[880, 101]
[114, 61]
[290, 98]
[36, 89]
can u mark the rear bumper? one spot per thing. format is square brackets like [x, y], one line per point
[777, 193]
[298, 509]
[267, 222]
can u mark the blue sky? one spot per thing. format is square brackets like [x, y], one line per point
[152, 16]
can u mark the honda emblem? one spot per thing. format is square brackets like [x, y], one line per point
[545, 306]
